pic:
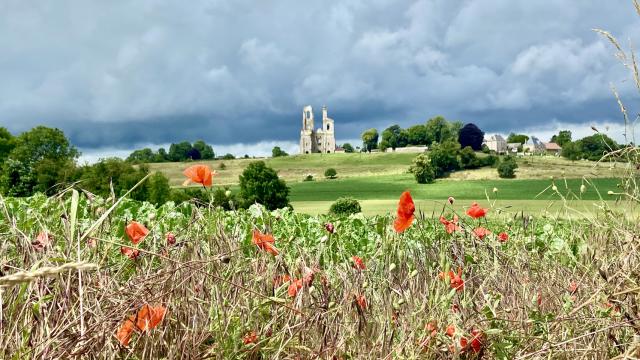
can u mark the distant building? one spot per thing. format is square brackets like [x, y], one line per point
[339, 150]
[534, 145]
[322, 140]
[496, 143]
[552, 148]
[408, 149]
[513, 147]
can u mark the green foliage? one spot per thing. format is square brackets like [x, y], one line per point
[468, 158]
[422, 169]
[444, 158]
[309, 177]
[345, 206]
[485, 149]
[517, 138]
[592, 147]
[507, 168]
[7, 143]
[470, 135]
[439, 130]
[277, 152]
[222, 166]
[330, 173]
[42, 158]
[100, 177]
[347, 148]
[384, 145]
[260, 184]
[159, 189]
[563, 137]
[205, 150]
[224, 198]
[142, 156]
[370, 140]
[395, 136]
[200, 195]
[572, 150]
[417, 135]
[179, 151]
[228, 156]
[490, 160]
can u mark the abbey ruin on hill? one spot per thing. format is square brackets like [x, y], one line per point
[322, 140]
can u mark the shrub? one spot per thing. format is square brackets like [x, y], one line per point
[345, 206]
[278, 152]
[159, 189]
[422, 169]
[224, 198]
[330, 173]
[490, 160]
[507, 168]
[228, 157]
[222, 166]
[444, 158]
[309, 177]
[468, 158]
[260, 184]
[188, 194]
[347, 148]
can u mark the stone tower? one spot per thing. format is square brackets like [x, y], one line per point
[322, 140]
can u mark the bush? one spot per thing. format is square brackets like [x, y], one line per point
[507, 168]
[309, 177]
[422, 169]
[260, 184]
[278, 152]
[224, 198]
[444, 158]
[188, 194]
[228, 157]
[330, 173]
[222, 166]
[345, 206]
[468, 159]
[490, 160]
[159, 189]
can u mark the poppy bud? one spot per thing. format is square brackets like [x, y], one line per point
[171, 239]
[495, 190]
[329, 227]
[583, 189]
[554, 188]
[227, 193]
[610, 192]
[451, 200]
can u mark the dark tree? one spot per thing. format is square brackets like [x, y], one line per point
[206, 151]
[178, 152]
[194, 154]
[395, 136]
[471, 135]
[347, 148]
[260, 184]
[563, 137]
[278, 152]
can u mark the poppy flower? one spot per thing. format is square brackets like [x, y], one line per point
[279, 280]
[42, 241]
[451, 330]
[136, 232]
[265, 242]
[130, 252]
[294, 287]
[150, 317]
[308, 276]
[432, 328]
[481, 232]
[503, 237]
[405, 217]
[573, 287]
[476, 212]
[456, 280]
[476, 341]
[125, 331]
[361, 301]
[200, 174]
[171, 239]
[358, 263]
[329, 227]
[450, 226]
[250, 338]
[539, 298]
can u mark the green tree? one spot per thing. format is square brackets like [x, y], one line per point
[260, 184]
[468, 158]
[345, 206]
[417, 135]
[563, 137]
[422, 169]
[572, 150]
[161, 155]
[444, 157]
[7, 143]
[517, 138]
[347, 148]
[395, 136]
[439, 130]
[507, 168]
[471, 136]
[370, 139]
[228, 156]
[330, 173]
[159, 189]
[48, 156]
[206, 151]
[178, 152]
[277, 152]
[145, 155]
[117, 173]
[594, 147]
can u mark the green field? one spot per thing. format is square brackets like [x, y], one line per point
[377, 179]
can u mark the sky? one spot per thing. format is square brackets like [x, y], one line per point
[119, 75]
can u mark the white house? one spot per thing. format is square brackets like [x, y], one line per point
[496, 143]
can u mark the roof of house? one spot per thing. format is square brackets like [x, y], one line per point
[496, 137]
[552, 146]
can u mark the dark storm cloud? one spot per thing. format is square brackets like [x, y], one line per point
[152, 72]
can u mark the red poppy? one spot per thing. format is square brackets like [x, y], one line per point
[130, 252]
[358, 263]
[476, 341]
[150, 317]
[308, 276]
[432, 328]
[279, 280]
[539, 298]
[573, 287]
[265, 242]
[503, 237]
[250, 338]
[405, 217]
[329, 227]
[456, 280]
[451, 330]
[200, 174]
[171, 239]
[42, 241]
[475, 211]
[361, 301]
[481, 232]
[450, 226]
[125, 331]
[136, 232]
[294, 287]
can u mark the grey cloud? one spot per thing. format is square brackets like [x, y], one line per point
[125, 73]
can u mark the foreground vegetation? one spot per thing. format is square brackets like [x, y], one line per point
[552, 289]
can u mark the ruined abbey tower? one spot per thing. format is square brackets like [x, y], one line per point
[322, 140]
